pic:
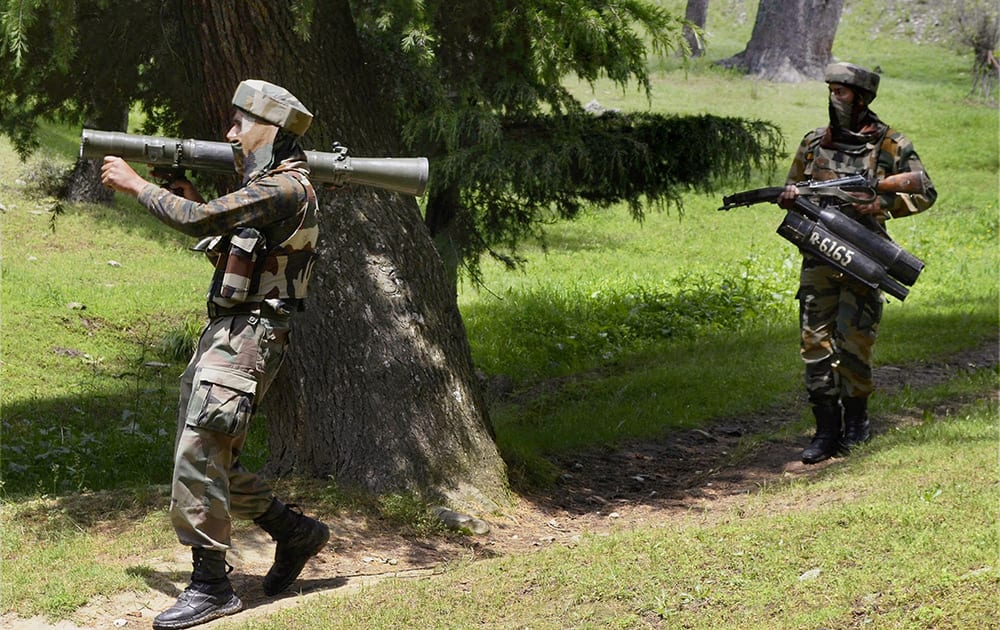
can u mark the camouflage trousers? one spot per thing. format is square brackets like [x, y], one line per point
[838, 321]
[237, 359]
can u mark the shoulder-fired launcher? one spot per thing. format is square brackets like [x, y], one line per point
[841, 241]
[403, 175]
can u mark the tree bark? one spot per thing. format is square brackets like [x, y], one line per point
[108, 107]
[441, 216]
[696, 13]
[84, 184]
[792, 40]
[379, 390]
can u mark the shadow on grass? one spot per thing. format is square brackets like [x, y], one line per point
[739, 454]
[80, 446]
[119, 440]
[247, 586]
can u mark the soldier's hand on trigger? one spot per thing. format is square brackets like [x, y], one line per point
[787, 197]
[178, 184]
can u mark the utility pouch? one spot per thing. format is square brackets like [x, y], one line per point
[239, 272]
[222, 400]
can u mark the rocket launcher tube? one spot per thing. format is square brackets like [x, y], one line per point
[403, 175]
[900, 265]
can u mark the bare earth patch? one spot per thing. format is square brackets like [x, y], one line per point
[638, 485]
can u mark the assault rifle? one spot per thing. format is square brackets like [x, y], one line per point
[839, 240]
[404, 175]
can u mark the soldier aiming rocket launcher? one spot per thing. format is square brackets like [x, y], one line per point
[838, 239]
[403, 175]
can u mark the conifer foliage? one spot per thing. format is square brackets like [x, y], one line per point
[511, 148]
[477, 86]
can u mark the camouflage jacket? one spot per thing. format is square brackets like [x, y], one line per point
[884, 152]
[268, 229]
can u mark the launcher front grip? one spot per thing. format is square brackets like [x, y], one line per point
[750, 197]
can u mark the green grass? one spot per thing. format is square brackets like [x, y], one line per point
[86, 307]
[901, 537]
[574, 305]
[615, 330]
[58, 554]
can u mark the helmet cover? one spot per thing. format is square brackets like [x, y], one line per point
[273, 104]
[853, 76]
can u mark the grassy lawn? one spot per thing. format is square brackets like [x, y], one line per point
[881, 542]
[637, 329]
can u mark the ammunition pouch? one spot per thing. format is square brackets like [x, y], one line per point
[236, 257]
[245, 247]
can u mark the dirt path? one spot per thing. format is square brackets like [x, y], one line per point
[635, 486]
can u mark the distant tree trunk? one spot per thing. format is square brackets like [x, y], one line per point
[84, 183]
[379, 390]
[985, 75]
[792, 40]
[979, 28]
[696, 13]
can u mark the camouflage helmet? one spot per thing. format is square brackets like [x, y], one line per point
[273, 104]
[853, 76]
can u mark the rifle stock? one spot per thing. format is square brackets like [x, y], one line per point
[912, 183]
[403, 175]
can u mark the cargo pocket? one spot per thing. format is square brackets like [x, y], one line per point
[222, 401]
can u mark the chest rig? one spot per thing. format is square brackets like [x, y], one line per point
[249, 268]
[824, 162]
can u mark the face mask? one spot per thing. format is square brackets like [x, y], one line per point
[253, 148]
[843, 113]
[237, 147]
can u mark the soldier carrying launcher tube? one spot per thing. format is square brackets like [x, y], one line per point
[261, 240]
[839, 316]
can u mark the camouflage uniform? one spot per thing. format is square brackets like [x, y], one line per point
[839, 316]
[263, 261]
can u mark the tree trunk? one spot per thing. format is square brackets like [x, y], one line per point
[792, 40]
[442, 212]
[84, 184]
[696, 13]
[379, 390]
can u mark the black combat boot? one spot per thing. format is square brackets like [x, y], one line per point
[299, 538]
[857, 428]
[209, 596]
[826, 441]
